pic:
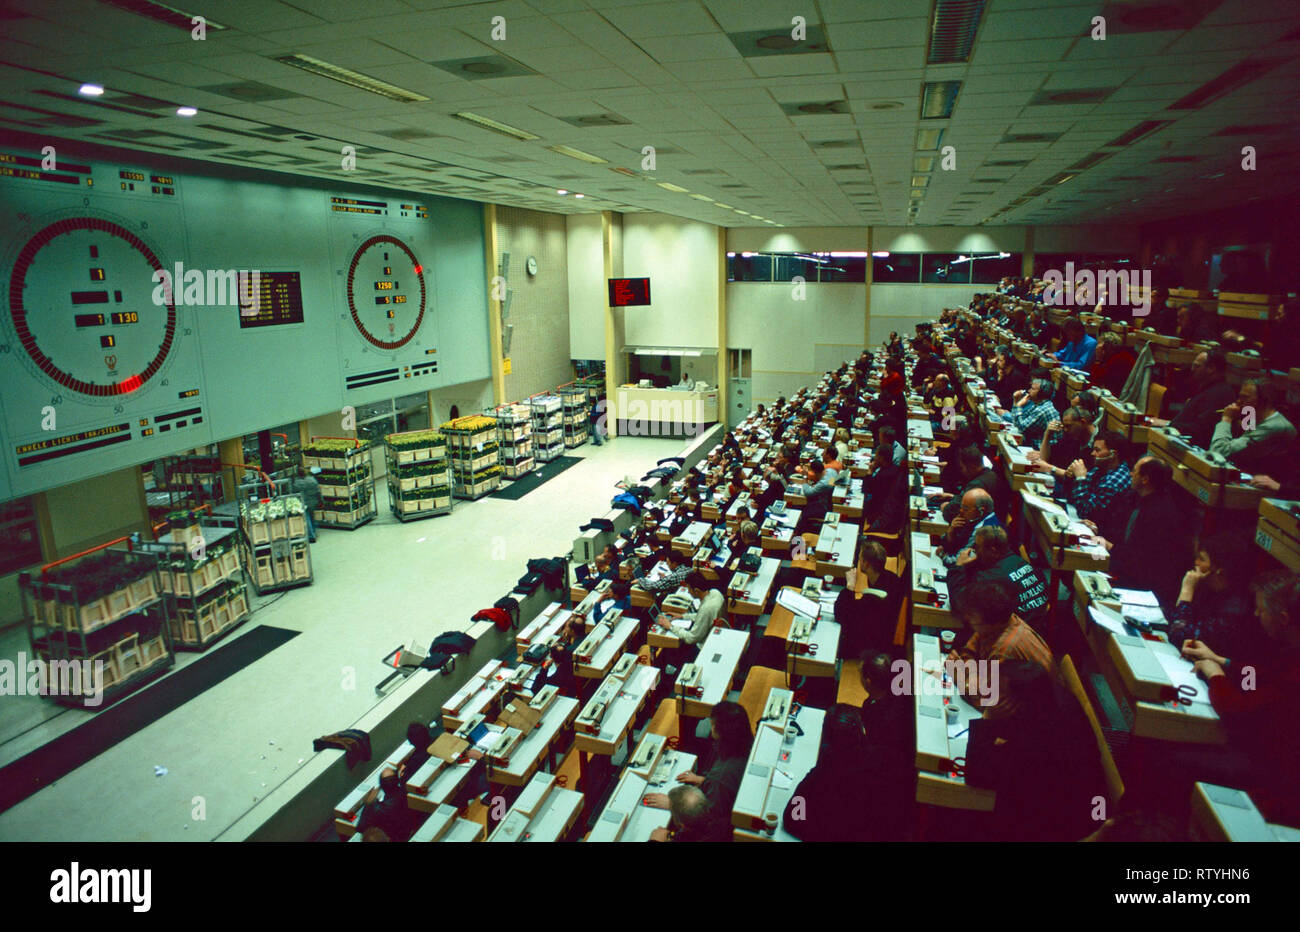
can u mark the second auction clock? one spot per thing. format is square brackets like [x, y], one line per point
[386, 291]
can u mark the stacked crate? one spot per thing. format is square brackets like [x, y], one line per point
[345, 483]
[419, 474]
[573, 405]
[515, 439]
[548, 427]
[472, 443]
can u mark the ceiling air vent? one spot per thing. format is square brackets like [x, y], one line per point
[952, 30]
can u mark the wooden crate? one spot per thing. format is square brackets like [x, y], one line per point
[238, 605]
[408, 484]
[221, 612]
[181, 581]
[127, 654]
[85, 618]
[259, 532]
[279, 528]
[423, 482]
[152, 651]
[301, 563]
[265, 576]
[297, 525]
[143, 591]
[407, 507]
[229, 564]
[117, 603]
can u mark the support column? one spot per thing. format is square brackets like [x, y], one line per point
[724, 409]
[866, 312]
[495, 297]
[612, 265]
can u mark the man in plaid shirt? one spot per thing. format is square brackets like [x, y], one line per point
[1033, 410]
[1093, 491]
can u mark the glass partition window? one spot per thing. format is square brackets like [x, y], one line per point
[945, 268]
[896, 267]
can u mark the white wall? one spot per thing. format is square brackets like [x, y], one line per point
[949, 239]
[680, 257]
[902, 307]
[793, 341]
[587, 289]
[796, 239]
[1091, 238]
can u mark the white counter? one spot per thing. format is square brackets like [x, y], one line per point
[659, 411]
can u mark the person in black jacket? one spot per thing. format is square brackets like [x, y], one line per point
[1042, 760]
[975, 475]
[1212, 394]
[851, 794]
[867, 619]
[884, 506]
[417, 733]
[1153, 533]
[993, 560]
[724, 764]
[389, 813]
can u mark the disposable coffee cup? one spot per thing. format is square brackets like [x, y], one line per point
[951, 711]
[948, 639]
[770, 821]
[829, 581]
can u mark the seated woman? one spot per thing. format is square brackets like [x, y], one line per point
[1042, 760]
[1260, 723]
[724, 762]
[1113, 363]
[845, 796]
[1214, 603]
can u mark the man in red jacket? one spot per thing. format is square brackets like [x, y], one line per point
[1254, 697]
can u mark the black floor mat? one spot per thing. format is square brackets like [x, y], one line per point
[521, 487]
[69, 751]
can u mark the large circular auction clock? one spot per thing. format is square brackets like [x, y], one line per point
[386, 292]
[81, 307]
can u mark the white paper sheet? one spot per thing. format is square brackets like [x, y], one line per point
[1107, 619]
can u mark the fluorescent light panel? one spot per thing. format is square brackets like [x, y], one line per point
[352, 78]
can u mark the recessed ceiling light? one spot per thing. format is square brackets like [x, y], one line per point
[347, 76]
[503, 128]
[186, 111]
[578, 154]
[579, 195]
[91, 90]
[561, 191]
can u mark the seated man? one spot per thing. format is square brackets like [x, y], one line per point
[975, 475]
[884, 507]
[701, 620]
[977, 510]
[1211, 395]
[1032, 411]
[1092, 492]
[1079, 348]
[1265, 444]
[1114, 362]
[991, 559]
[693, 818]
[887, 437]
[818, 494]
[389, 814]
[1153, 534]
[678, 566]
[867, 608]
[988, 607]
[1065, 441]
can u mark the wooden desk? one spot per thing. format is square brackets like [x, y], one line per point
[777, 531]
[548, 624]
[435, 783]
[939, 741]
[1146, 673]
[1220, 813]
[718, 661]
[481, 693]
[652, 767]
[620, 714]
[542, 812]
[1278, 533]
[536, 747]
[837, 548]
[752, 598]
[444, 825]
[925, 519]
[1215, 485]
[609, 649]
[773, 772]
[824, 643]
[847, 502]
[931, 606]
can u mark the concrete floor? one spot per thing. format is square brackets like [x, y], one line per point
[375, 588]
